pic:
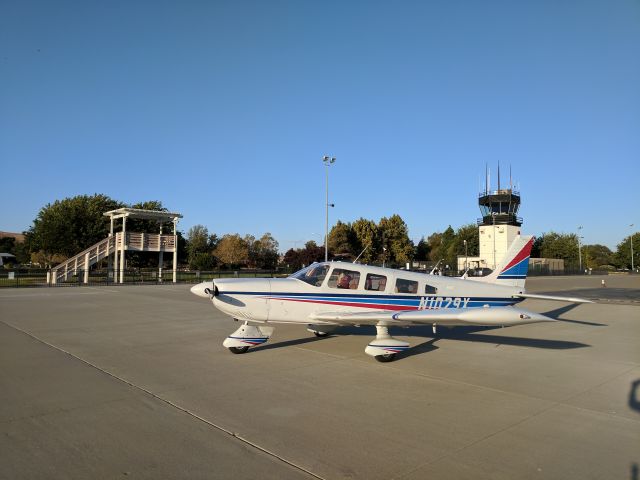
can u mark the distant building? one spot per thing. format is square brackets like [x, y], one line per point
[497, 229]
[18, 236]
[7, 258]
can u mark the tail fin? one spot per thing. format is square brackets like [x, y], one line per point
[513, 268]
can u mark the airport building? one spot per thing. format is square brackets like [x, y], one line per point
[497, 228]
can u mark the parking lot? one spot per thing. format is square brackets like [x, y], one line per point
[133, 381]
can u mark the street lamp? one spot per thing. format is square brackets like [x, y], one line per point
[466, 256]
[631, 242]
[579, 253]
[327, 161]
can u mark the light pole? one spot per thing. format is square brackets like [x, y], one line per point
[327, 161]
[466, 256]
[631, 243]
[579, 253]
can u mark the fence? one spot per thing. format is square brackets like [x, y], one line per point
[141, 276]
[39, 278]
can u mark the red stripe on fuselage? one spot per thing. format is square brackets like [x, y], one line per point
[376, 306]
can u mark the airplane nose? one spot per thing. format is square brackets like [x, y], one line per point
[200, 288]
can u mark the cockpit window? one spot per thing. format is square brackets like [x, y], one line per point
[342, 278]
[313, 274]
[406, 286]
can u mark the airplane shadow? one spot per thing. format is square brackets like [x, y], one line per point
[421, 348]
[288, 343]
[463, 334]
[559, 311]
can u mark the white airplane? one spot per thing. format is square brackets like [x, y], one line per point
[331, 294]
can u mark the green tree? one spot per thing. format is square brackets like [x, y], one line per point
[623, 251]
[342, 240]
[422, 250]
[596, 256]
[68, 226]
[434, 241]
[395, 234]
[263, 253]
[559, 245]
[367, 236]
[443, 247]
[200, 246]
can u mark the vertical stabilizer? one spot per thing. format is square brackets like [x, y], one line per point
[513, 268]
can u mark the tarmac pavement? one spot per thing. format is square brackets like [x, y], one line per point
[133, 381]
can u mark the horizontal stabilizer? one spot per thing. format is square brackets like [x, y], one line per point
[554, 298]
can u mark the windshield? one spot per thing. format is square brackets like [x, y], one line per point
[313, 274]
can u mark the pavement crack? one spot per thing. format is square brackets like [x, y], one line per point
[172, 404]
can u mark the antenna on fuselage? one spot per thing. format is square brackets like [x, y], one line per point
[365, 249]
[434, 268]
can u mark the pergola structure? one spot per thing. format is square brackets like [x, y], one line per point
[142, 242]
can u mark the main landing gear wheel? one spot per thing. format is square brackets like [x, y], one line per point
[389, 357]
[321, 334]
[238, 350]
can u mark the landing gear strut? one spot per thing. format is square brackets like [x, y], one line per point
[247, 336]
[384, 348]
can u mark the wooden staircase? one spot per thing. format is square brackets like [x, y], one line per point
[139, 242]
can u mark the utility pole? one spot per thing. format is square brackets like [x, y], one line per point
[631, 242]
[327, 161]
[579, 252]
[466, 256]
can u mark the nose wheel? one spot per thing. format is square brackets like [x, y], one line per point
[247, 336]
[389, 357]
[238, 350]
[384, 348]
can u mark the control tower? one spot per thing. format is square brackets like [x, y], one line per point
[500, 223]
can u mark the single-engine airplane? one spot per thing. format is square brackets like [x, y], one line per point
[331, 294]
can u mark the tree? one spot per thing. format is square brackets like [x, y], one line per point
[232, 250]
[297, 258]
[396, 240]
[435, 241]
[366, 236]
[623, 251]
[68, 226]
[263, 253]
[341, 239]
[151, 226]
[200, 246]
[597, 256]
[422, 250]
[444, 247]
[557, 245]
[457, 247]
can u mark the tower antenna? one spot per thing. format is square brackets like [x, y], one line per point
[510, 179]
[498, 175]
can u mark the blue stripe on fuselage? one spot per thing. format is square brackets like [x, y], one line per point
[367, 300]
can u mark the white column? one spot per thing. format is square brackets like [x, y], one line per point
[123, 247]
[175, 250]
[109, 261]
[160, 255]
[86, 267]
[115, 261]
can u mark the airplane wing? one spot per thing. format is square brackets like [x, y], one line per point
[552, 297]
[489, 316]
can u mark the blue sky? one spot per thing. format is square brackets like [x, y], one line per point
[223, 110]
